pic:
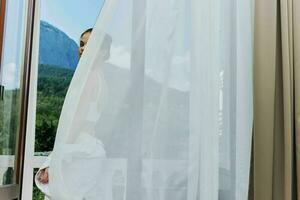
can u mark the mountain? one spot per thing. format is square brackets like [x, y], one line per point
[57, 48]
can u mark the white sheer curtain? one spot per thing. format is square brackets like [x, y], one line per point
[160, 106]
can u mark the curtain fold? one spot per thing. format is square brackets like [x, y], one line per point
[168, 113]
[296, 18]
[276, 100]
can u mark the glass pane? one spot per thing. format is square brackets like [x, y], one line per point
[11, 73]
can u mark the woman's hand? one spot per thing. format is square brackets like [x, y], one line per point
[44, 176]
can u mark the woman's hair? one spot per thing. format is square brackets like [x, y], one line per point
[86, 31]
[106, 45]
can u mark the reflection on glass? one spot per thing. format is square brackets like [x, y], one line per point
[10, 82]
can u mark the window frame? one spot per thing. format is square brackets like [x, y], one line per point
[14, 191]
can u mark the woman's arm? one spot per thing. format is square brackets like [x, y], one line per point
[42, 177]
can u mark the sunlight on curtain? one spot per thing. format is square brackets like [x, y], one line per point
[160, 106]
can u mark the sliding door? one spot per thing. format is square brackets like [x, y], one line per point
[15, 51]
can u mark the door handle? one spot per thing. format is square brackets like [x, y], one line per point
[1, 92]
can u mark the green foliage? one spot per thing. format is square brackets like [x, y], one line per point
[37, 194]
[53, 83]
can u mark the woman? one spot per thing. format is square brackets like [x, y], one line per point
[42, 177]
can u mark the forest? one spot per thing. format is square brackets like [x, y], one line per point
[53, 83]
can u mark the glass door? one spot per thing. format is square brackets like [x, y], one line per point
[13, 87]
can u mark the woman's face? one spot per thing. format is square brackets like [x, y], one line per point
[83, 41]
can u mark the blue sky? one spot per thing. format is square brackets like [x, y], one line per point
[71, 16]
